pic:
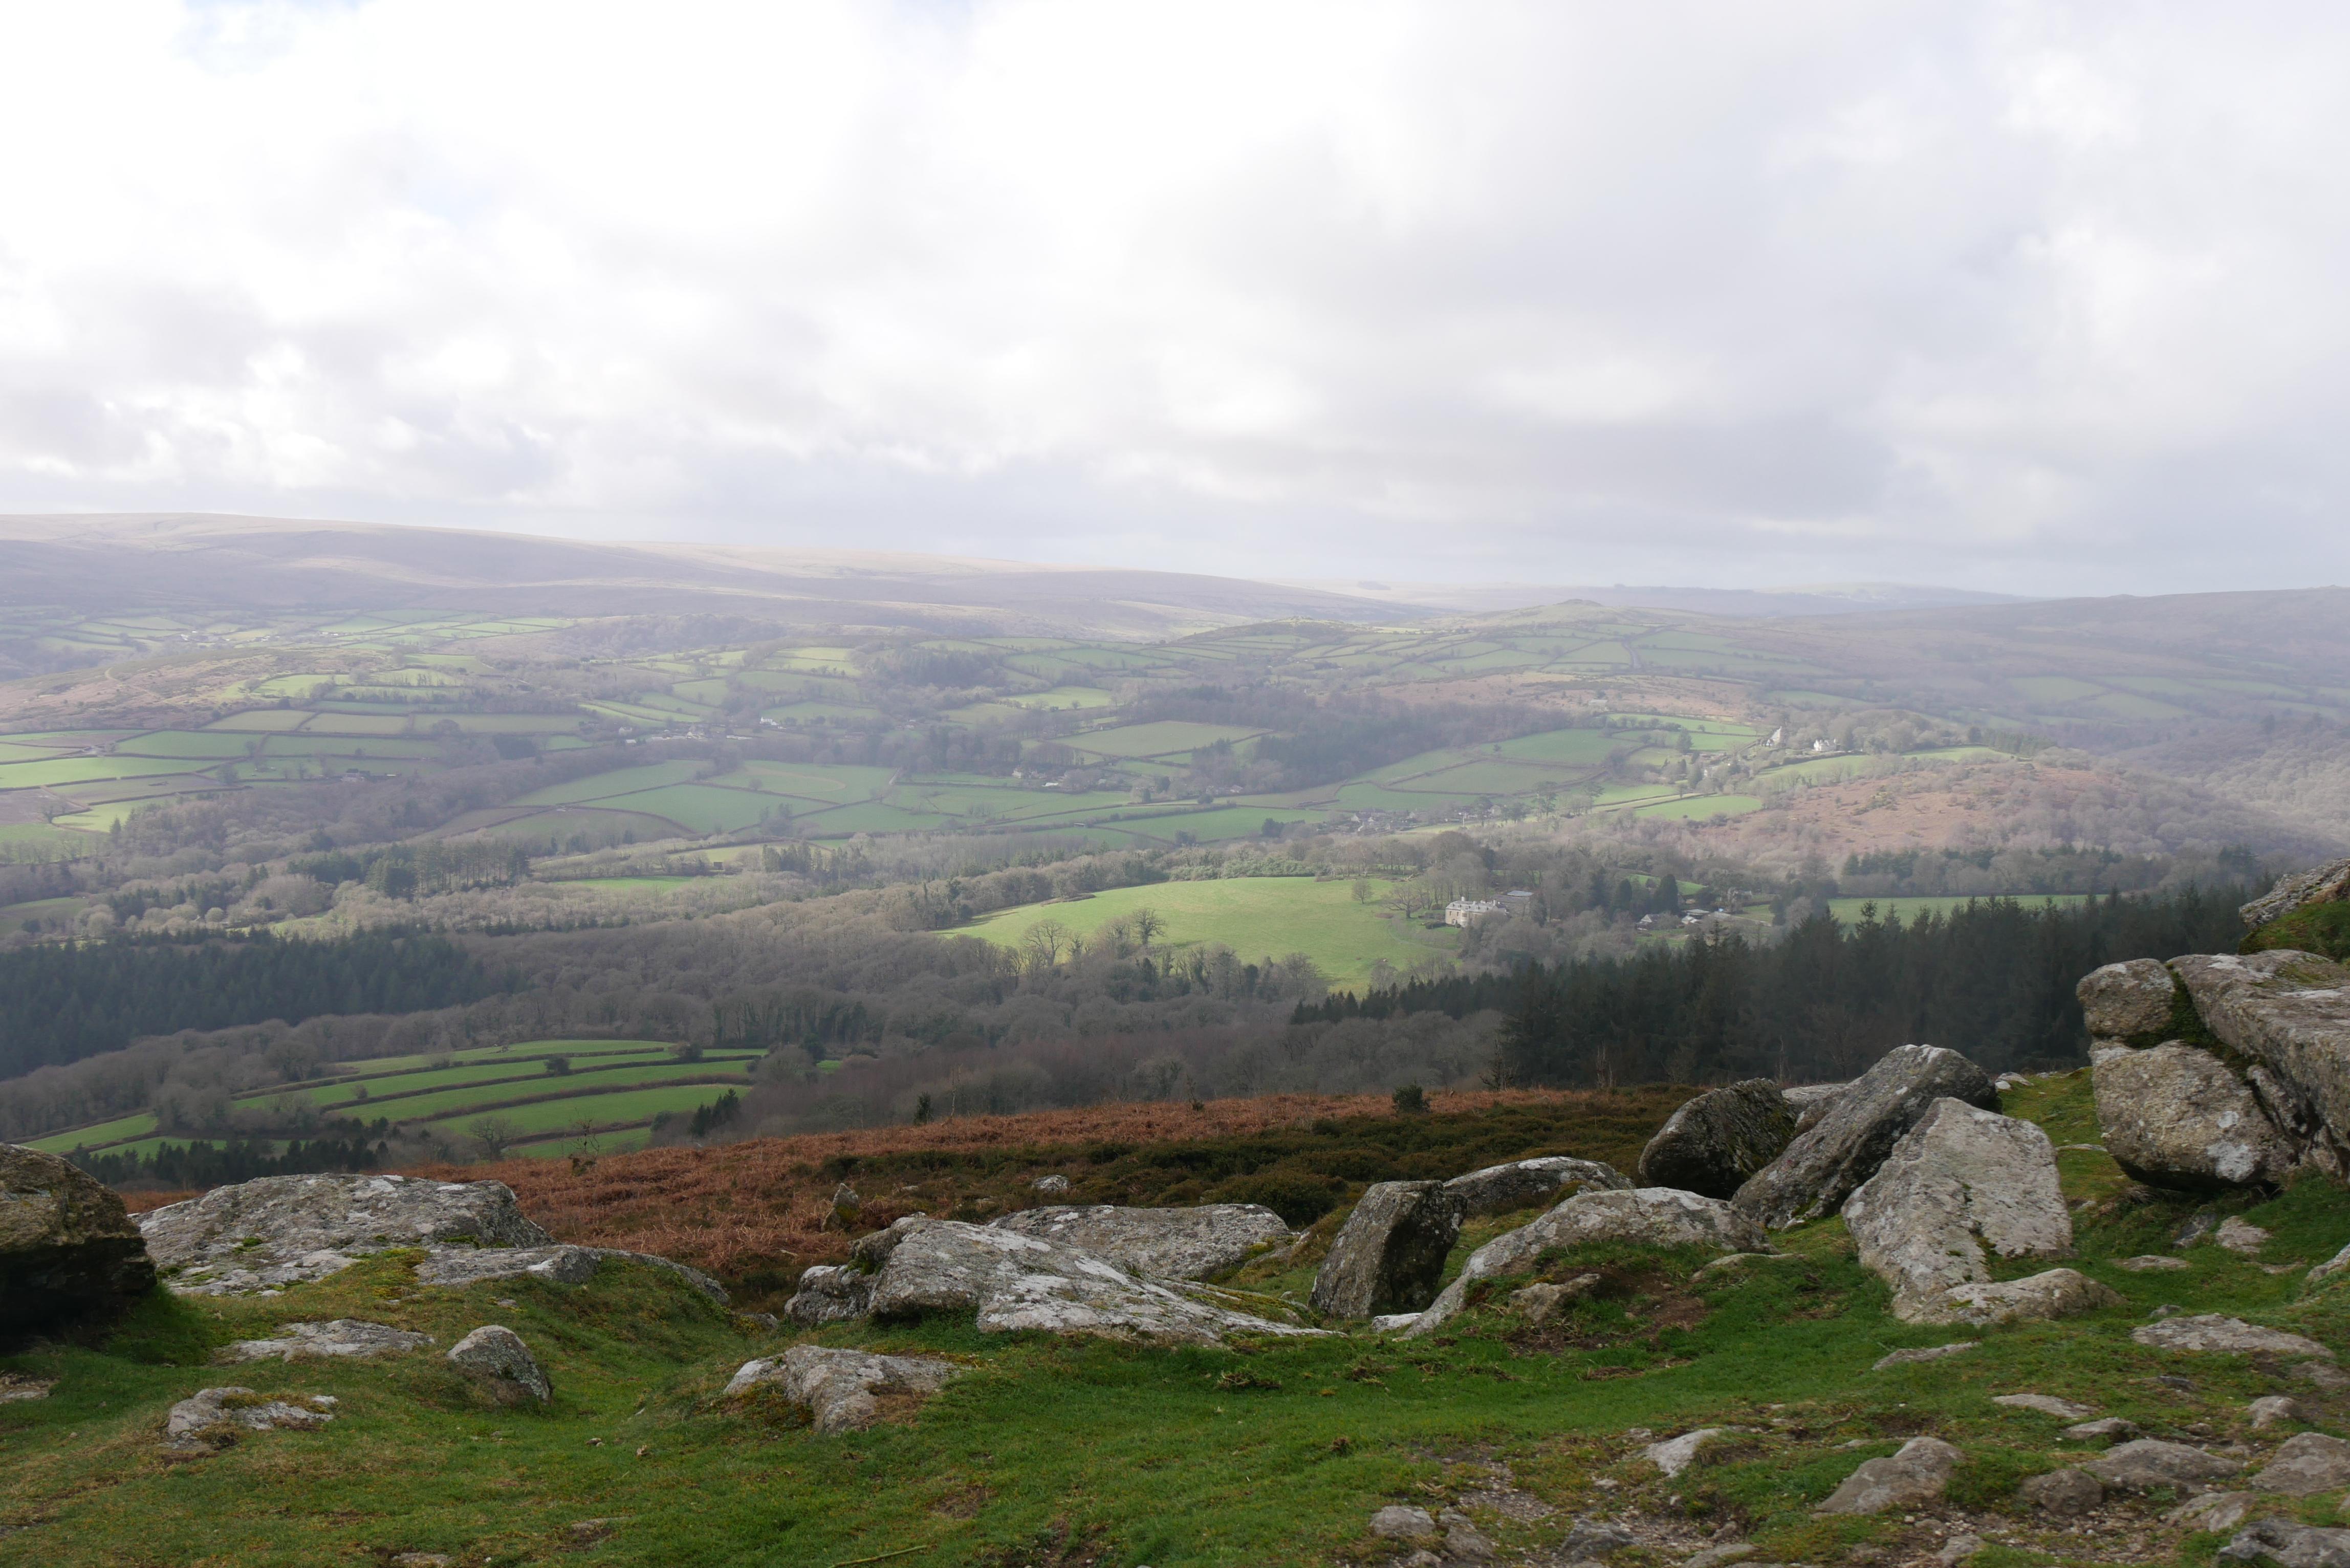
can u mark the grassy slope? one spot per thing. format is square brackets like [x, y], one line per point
[1259, 1454]
[1253, 916]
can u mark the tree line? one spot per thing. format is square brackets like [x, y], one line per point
[1992, 978]
[61, 1003]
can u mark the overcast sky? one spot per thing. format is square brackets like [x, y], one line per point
[2039, 299]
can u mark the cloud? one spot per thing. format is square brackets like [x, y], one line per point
[2027, 297]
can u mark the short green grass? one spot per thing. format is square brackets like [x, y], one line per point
[1257, 917]
[1261, 1453]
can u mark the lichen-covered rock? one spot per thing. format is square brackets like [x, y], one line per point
[1715, 1141]
[341, 1338]
[1646, 1216]
[2045, 1404]
[1918, 1473]
[2176, 1116]
[2068, 1494]
[2287, 1546]
[1389, 1255]
[1823, 1167]
[2323, 885]
[1675, 1454]
[2305, 1465]
[1171, 1243]
[2130, 1001]
[1524, 1183]
[1960, 1185]
[496, 1357]
[559, 1264]
[210, 1416]
[830, 1293]
[2211, 1333]
[1807, 1103]
[2043, 1297]
[2149, 1463]
[842, 1389]
[69, 1255]
[263, 1235]
[1011, 1281]
[2290, 1013]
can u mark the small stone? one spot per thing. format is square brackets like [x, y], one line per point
[2148, 1463]
[2046, 1403]
[1400, 1521]
[2214, 1510]
[2331, 1267]
[15, 1385]
[496, 1357]
[2068, 1494]
[2305, 1465]
[1722, 1556]
[2167, 1309]
[1957, 1549]
[2332, 1379]
[846, 1204]
[1463, 1542]
[1540, 1303]
[2292, 1545]
[2199, 1224]
[1596, 1538]
[2111, 1428]
[2271, 1409]
[2212, 1332]
[2240, 1237]
[1917, 1474]
[205, 1415]
[2151, 1262]
[422, 1559]
[1677, 1454]
[1051, 1185]
[1929, 1353]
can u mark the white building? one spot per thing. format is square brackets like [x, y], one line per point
[1465, 911]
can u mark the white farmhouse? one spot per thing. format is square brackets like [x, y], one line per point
[1468, 912]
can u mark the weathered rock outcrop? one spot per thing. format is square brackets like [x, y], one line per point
[2130, 1002]
[1713, 1143]
[69, 1255]
[1010, 1282]
[211, 1416]
[1524, 1183]
[1646, 1216]
[2149, 1463]
[1823, 1167]
[2290, 1013]
[496, 1356]
[2289, 1545]
[1918, 1474]
[561, 1265]
[2323, 885]
[1960, 1184]
[2036, 1298]
[842, 1390]
[1807, 1103]
[2305, 1465]
[343, 1338]
[284, 1230]
[1390, 1253]
[2177, 1116]
[1171, 1243]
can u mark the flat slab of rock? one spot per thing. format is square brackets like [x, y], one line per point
[2130, 1001]
[263, 1235]
[1714, 1142]
[561, 1263]
[496, 1357]
[2152, 1263]
[2036, 1298]
[1961, 1185]
[2289, 1545]
[1918, 1474]
[2210, 1332]
[1925, 1354]
[2179, 1117]
[2046, 1405]
[2290, 1013]
[1401, 1522]
[342, 1338]
[2216, 1511]
[2107, 1429]
[1390, 1253]
[1675, 1454]
[1823, 1165]
[1524, 1183]
[842, 1390]
[69, 1255]
[199, 1420]
[1171, 1243]
[1645, 1216]
[1010, 1282]
[2068, 1494]
[2149, 1463]
[2305, 1465]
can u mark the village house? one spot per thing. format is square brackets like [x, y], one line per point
[1468, 912]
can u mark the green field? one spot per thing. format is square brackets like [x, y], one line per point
[1699, 808]
[1848, 909]
[1257, 917]
[1164, 738]
[622, 1107]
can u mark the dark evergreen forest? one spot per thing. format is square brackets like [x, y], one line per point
[1993, 980]
[59, 1003]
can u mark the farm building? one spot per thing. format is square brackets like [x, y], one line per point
[1467, 911]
